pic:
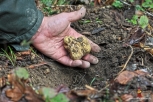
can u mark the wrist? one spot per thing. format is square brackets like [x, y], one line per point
[39, 31]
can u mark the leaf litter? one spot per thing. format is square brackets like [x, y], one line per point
[135, 84]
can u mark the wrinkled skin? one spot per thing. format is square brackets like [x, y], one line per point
[49, 39]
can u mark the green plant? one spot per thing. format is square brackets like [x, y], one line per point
[11, 55]
[143, 22]
[34, 52]
[92, 81]
[117, 4]
[25, 43]
[51, 95]
[48, 3]
[138, 7]
[98, 20]
[60, 98]
[134, 20]
[147, 4]
[85, 21]
[131, 1]
[22, 73]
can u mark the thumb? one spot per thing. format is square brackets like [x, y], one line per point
[76, 15]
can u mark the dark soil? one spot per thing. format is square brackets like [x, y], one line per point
[108, 28]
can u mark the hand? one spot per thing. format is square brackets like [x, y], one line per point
[49, 39]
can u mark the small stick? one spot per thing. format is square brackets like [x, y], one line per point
[89, 87]
[127, 60]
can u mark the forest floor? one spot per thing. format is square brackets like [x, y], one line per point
[106, 81]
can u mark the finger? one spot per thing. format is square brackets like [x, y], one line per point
[73, 63]
[94, 47]
[90, 58]
[85, 64]
[69, 62]
[76, 15]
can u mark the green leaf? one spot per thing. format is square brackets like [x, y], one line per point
[117, 4]
[131, 1]
[22, 73]
[138, 7]
[143, 21]
[151, 6]
[60, 98]
[134, 20]
[48, 92]
[147, 4]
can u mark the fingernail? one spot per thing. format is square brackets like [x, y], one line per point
[86, 65]
[95, 61]
[97, 49]
[82, 11]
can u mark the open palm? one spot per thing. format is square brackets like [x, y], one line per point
[49, 39]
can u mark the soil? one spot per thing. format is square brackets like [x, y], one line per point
[105, 26]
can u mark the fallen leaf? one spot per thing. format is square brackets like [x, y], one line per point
[3, 97]
[137, 35]
[2, 82]
[85, 92]
[17, 90]
[109, 2]
[126, 97]
[127, 76]
[97, 2]
[20, 89]
[15, 94]
[31, 95]
[140, 72]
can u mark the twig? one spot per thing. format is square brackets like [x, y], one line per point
[149, 13]
[122, 68]
[127, 60]
[89, 87]
[104, 87]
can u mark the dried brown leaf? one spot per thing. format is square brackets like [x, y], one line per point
[109, 2]
[15, 94]
[2, 82]
[126, 97]
[84, 93]
[97, 2]
[137, 35]
[127, 76]
[17, 90]
[31, 95]
[3, 97]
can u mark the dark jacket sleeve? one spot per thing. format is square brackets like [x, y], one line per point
[19, 20]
